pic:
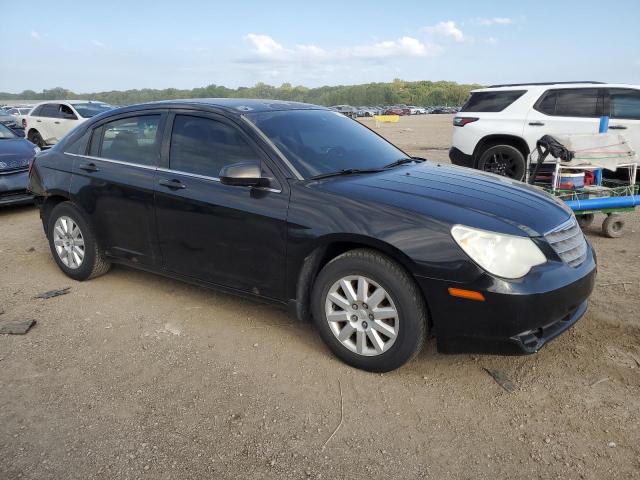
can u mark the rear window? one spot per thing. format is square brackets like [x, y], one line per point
[491, 101]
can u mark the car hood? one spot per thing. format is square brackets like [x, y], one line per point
[15, 152]
[457, 195]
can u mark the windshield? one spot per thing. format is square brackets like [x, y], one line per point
[88, 110]
[318, 142]
[6, 132]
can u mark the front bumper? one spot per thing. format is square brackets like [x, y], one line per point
[517, 317]
[457, 157]
[13, 188]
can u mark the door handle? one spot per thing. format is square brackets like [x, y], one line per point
[57, 123]
[39, 121]
[89, 167]
[617, 127]
[172, 184]
[536, 124]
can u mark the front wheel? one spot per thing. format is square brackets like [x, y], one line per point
[369, 311]
[73, 244]
[503, 160]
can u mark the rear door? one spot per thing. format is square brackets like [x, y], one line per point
[228, 235]
[564, 111]
[114, 183]
[624, 109]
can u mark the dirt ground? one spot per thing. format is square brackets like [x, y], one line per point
[132, 375]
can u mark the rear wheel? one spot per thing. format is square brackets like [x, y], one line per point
[35, 138]
[73, 244]
[503, 160]
[369, 311]
[613, 226]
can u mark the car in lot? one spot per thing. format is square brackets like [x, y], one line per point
[299, 205]
[499, 126]
[49, 121]
[15, 155]
[10, 121]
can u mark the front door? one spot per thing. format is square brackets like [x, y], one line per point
[114, 183]
[228, 235]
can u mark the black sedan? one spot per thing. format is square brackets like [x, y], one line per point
[15, 155]
[302, 206]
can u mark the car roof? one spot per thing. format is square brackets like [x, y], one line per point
[555, 85]
[70, 102]
[237, 105]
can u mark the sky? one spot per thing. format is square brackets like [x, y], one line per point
[89, 46]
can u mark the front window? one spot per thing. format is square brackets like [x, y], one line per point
[90, 109]
[6, 133]
[318, 142]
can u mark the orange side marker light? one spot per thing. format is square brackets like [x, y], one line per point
[468, 294]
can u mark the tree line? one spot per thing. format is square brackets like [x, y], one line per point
[422, 93]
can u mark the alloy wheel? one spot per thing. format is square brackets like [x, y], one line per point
[501, 163]
[362, 315]
[68, 242]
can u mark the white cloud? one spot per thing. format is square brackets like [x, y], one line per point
[446, 29]
[487, 22]
[264, 44]
[35, 35]
[97, 43]
[266, 48]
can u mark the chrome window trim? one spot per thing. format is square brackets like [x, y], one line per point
[213, 179]
[164, 170]
[109, 160]
[273, 146]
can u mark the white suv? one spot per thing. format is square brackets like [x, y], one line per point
[49, 121]
[499, 126]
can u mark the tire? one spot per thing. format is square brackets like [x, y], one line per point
[35, 138]
[93, 262]
[586, 220]
[613, 226]
[397, 339]
[503, 160]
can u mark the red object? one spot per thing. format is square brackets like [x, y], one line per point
[589, 178]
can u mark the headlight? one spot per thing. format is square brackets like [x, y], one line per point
[506, 256]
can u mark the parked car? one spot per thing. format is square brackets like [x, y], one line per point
[15, 155]
[9, 121]
[296, 205]
[413, 110]
[394, 111]
[498, 126]
[49, 121]
[17, 111]
[366, 112]
[347, 110]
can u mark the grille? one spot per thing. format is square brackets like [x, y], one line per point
[569, 243]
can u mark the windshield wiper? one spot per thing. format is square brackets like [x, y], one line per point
[346, 171]
[403, 161]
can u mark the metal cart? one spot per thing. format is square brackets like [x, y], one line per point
[613, 197]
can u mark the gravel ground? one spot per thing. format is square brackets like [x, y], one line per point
[132, 375]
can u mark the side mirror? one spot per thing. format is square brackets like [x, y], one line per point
[243, 174]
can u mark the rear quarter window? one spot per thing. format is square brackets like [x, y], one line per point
[491, 101]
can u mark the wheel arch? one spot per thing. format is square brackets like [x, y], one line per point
[499, 139]
[48, 203]
[326, 249]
